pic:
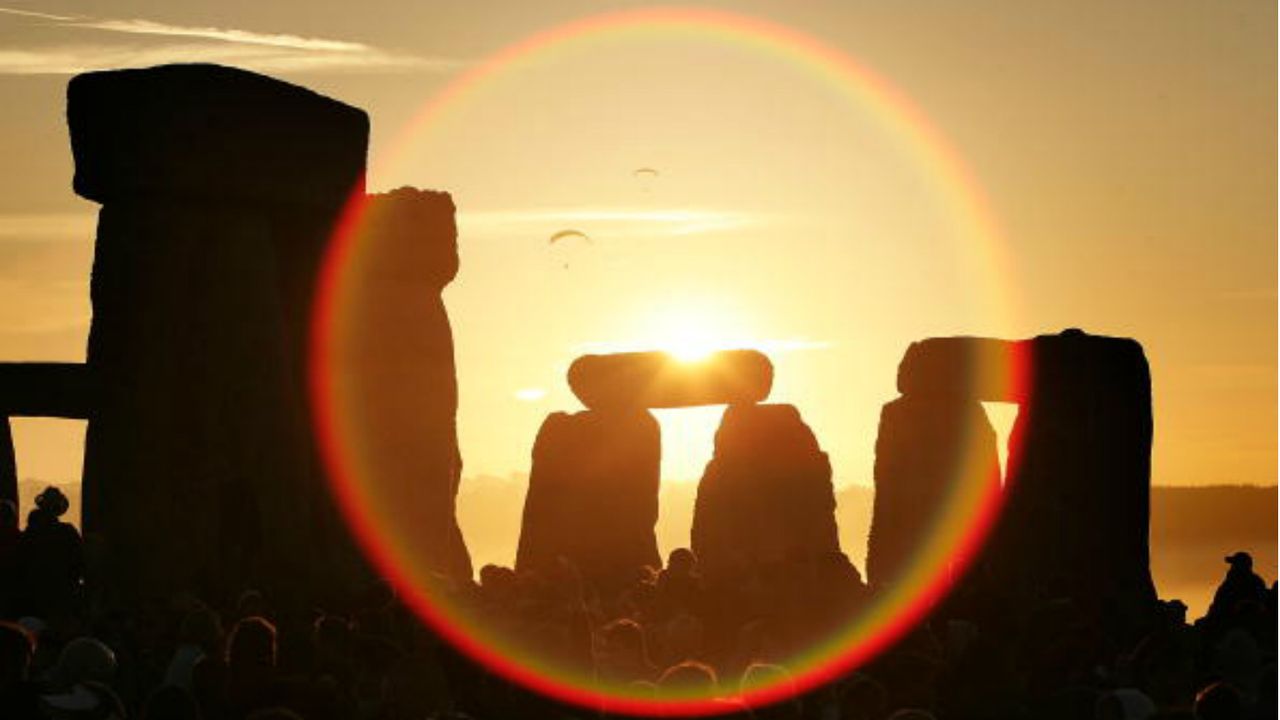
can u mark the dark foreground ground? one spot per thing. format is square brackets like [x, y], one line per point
[184, 657]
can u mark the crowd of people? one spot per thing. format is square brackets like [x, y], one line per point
[666, 630]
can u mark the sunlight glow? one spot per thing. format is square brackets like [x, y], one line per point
[530, 394]
[691, 330]
[689, 347]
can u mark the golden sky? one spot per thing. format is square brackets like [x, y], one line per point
[1126, 151]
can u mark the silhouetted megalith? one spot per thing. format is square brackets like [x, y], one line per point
[46, 389]
[41, 390]
[395, 371]
[973, 368]
[593, 495]
[927, 447]
[1076, 511]
[212, 133]
[8, 463]
[220, 189]
[660, 380]
[765, 496]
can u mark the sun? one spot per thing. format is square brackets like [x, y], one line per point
[691, 329]
[689, 344]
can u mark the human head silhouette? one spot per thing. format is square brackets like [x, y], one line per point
[625, 638]
[52, 501]
[1218, 701]
[688, 675]
[16, 651]
[1240, 561]
[84, 659]
[252, 644]
[202, 627]
[682, 561]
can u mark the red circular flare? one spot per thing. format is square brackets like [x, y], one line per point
[340, 458]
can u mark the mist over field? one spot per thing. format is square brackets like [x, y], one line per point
[1192, 528]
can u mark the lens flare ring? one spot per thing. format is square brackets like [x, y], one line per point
[963, 521]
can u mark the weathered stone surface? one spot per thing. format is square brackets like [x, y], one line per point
[221, 190]
[766, 496]
[969, 367]
[660, 380]
[208, 132]
[926, 448]
[8, 463]
[593, 495]
[394, 372]
[409, 241]
[198, 461]
[38, 389]
[1077, 512]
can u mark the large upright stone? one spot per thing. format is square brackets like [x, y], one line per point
[220, 189]
[1077, 511]
[930, 448]
[8, 463]
[765, 497]
[42, 390]
[593, 496]
[394, 371]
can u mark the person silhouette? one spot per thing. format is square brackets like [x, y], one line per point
[623, 656]
[678, 586]
[1240, 585]
[50, 557]
[251, 655]
[19, 696]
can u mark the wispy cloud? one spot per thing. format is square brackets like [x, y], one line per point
[147, 27]
[152, 43]
[72, 59]
[37, 15]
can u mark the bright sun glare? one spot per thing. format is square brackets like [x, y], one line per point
[689, 346]
[690, 331]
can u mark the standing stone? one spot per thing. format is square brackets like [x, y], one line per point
[1077, 512]
[220, 189]
[928, 447]
[8, 463]
[394, 371]
[593, 496]
[765, 497]
[37, 389]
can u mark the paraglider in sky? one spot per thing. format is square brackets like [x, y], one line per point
[568, 235]
[567, 242]
[646, 176]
